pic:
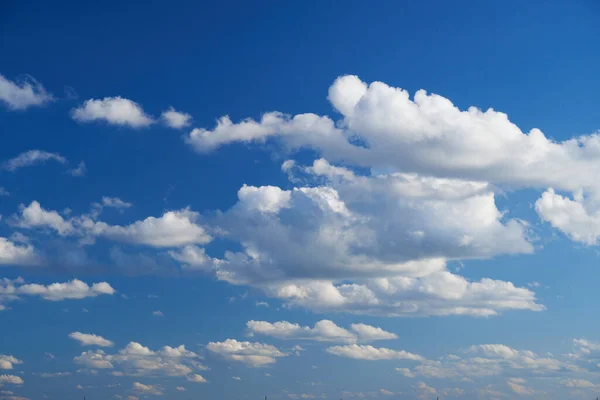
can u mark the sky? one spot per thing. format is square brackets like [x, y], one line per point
[299, 200]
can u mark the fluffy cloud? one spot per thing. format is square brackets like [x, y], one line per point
[172, 229]
[74, 289]
[24, 94]
[361, 352]
[113, 110]
[13, 289]
[32, 157]
[175, 119]
[138, 360]
[390, 235]
[251, 353]
[8, 362]
[323, 331]
[140, 388]
[12, 379]
[15, 254]
[87, 339]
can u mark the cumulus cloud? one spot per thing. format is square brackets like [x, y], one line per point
[12, 379]
[88, 339]
[196, 378]
[172, 229]
[15, 254]
[31, 158]
[362, 352]
[8, 361]
[323, 331]
[114, 111]
[138, 360]
[176, 119]
[142, 389]
[253, 354]
[13, 289]
[23, 94]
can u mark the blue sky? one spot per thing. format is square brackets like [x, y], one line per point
[299, 200]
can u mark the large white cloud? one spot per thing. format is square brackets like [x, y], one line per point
[143, 389]
[12, 379]
[113, 110]
[323, 331]
[24, 94]
[251, 353]
[385, 129]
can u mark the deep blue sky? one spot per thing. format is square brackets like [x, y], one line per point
[536, 61]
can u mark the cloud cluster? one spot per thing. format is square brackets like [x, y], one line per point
[138, 360]
[323, 331]
[8, 362]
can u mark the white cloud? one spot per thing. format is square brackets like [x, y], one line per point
[323, 331]
[4, 192]
[180, 389]
[386, 392]
[147, 389]
[138, 360]
[8, 362]
[80, 170]
[12, 379]
[15, 254]
[251, 353]
[172, 229]
[370, 333]
[196, 378]
[113, 110]
[362, 352]
[74, 289]
[13, 289]
[158, 313]
[54, 374]
[24, 94]
[515, 384]
[237, 378]
[175, 119]
[34, 216]
[87, 339]
[32, 157]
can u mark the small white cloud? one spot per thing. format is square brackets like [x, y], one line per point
[361, 352]
[180, 389]
[175, 119]
[8, 362]
[158, 313]
[147, 389]
[24, 94]
[196, 378]
[4, 192]
[253, 354]
[80, 170]
[113, 110]
[12, 379]
[32, 157]
[237, 378]
[86, 339]
[262, 304]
